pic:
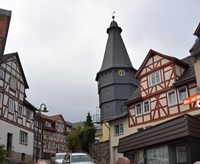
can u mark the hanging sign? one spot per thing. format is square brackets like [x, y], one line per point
[191, 99]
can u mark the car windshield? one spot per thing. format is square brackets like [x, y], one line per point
[81, 158]
[60, 156]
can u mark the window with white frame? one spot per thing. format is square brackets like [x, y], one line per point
[119, 129]
[11, 106]
[172, 98]
[23, 137]
[28, 114]
[182, 94]
[155, 78]
[146, 106]
[138, 109]
[20, 110]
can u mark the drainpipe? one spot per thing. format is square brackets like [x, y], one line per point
[104, 122]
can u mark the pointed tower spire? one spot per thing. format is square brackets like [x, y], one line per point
[115, 79]
[115, 54]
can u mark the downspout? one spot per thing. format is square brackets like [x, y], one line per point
[104, 122]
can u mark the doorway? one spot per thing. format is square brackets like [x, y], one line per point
[9, 144]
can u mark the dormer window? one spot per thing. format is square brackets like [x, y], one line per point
[155, 78]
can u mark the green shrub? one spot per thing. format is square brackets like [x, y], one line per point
[3, 153]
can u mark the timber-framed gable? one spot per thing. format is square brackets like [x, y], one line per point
[13, 83]
[158, 96]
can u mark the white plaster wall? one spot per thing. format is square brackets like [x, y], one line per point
[6, 128]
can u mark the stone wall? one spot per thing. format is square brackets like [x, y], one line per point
[17, 158]
[100, 152]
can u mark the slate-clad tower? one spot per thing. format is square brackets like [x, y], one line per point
[116, 81]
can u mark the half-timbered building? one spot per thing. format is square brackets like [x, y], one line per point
[16, 113]
[55, 130]
[165, 82]
[164, 129]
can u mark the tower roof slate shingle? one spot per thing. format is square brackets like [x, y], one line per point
[115, 55]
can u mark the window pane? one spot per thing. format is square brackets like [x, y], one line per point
[172, 98]
[155, 78]
[11, 105]
[146, 107]
[182, 94]
[138, 109]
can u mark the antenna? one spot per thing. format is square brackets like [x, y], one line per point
[113, 15]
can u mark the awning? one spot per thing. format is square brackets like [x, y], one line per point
[178, 127]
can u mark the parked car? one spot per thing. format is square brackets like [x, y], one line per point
[80, 158]
[57, 158]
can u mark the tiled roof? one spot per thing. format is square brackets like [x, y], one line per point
[46, 117]
[135, 96]
[118, 117]
[55, 117]
[189, 73]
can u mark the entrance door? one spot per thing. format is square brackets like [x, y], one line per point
[9, 144]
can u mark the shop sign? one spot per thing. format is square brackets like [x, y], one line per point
[191, 99]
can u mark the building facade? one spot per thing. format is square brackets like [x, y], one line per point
[164, 129]
[55, 131]
[16, 113]
[116, 81]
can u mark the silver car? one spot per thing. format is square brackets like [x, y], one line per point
[77, 158]
[57, 158]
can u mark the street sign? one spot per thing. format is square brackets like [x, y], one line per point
[191, 99]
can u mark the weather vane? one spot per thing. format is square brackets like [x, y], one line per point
[113, 15]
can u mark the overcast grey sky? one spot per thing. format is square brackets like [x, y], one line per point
[61, 43]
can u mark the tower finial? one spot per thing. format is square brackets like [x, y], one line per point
[113, 15]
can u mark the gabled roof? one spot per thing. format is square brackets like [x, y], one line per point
[123, 115]
[136, 96]
[7, 56]
[5, 17]
[152, 53]
[53, 118]
[197, 31]
[115, 55]
[195, 49]
[189, 73]
[46, 117]
[29, 105]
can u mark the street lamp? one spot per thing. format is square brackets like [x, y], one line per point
[39, 120]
